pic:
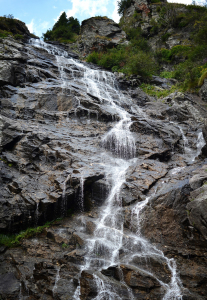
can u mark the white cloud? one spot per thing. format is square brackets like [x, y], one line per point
[115, 16]
[38, 29]
[44, 25]
[30, 26]
[89, 7]
[54, 7]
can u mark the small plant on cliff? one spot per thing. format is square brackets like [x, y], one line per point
[203, 76]
[14, 240]
[152, 91]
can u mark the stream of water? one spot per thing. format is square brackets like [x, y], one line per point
[118, 146]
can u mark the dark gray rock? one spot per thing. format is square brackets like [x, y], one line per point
[203, 91]
[197, 210]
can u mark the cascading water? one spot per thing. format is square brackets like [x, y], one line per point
[37, 214]
[190, 153]
[57, 278]
[103, 248]
[81, 197]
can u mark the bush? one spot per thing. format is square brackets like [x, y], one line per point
[127, 59]
[112, 59]
[142, 64]
[94, 58]
[201, 36]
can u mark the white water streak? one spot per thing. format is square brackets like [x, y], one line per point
[109, 236]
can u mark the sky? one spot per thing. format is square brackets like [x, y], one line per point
[40, 15]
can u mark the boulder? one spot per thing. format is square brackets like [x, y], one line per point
[99, 33]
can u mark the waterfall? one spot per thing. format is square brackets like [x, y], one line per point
[37, 213]
[190, 153]
[118, 147]
[57, 278]
[81, 197]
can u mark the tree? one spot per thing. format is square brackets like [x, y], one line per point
[122, 5]
[62, 21]
[64, 29]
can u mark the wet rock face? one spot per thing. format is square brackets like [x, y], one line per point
[203, 91]
[55, 162]
[99, 33]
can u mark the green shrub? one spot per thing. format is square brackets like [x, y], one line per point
[177, 51]
[93, 58]
[4, 33]
[18, 37]
[203, 76]
[142, 64]
[165, 37]
[127, 59]
[201, 36]
[14, 240]
[166, 74]
[152, 91]
[188, 73]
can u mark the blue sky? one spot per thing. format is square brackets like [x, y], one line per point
[40, 15]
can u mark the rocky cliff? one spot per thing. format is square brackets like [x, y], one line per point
[98, 34]
[147, 15]
[126, 171]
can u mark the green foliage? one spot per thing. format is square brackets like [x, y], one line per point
[126, 59]
[142, 64]
[94, 58]
[122, 5]
[167, 55]
[165, 37]
[11, 26]
[18, 37]
[152, 91]
[112, 59]
[188, 73]
[64, 30]
[15, 240]
[4, 33]
[203, 76]
[64, 245]
[166, 74]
